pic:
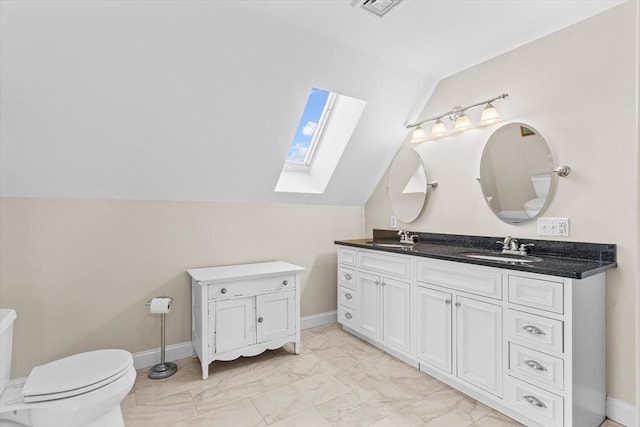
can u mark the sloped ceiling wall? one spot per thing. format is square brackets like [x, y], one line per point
[181, 101]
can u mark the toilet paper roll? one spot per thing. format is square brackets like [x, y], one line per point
[160, 305]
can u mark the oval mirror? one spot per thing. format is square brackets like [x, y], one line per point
[407, 185]
[516, 173]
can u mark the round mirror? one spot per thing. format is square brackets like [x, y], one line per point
[516, 173]
[407, 185]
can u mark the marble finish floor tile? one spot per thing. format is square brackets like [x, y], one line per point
[337, 380]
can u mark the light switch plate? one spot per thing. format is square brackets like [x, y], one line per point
[553, 227]
[393, 222]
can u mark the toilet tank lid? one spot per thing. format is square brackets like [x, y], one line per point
[7, 316]
[76, 372]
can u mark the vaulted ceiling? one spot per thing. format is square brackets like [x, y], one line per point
[198, 101]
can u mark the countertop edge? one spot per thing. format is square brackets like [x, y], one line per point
[528, 268]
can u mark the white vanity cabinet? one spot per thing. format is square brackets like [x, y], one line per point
[243, 310]
[460, 333]
[529, 345]
[375, 297]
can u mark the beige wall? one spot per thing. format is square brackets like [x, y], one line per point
[578, 88]
[79, 272]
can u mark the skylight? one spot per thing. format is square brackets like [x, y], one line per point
[326, 125]
[311, 127]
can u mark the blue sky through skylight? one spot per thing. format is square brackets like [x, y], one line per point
[307, 126]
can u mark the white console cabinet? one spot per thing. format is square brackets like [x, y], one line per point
[529, 345]
[243, 310]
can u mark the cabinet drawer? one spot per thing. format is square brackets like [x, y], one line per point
[346, 277]
[542, 294]
[464, 277]
[347, 256]
[398, 265]
[347, 316]
[537, 332]
[347, 297]
[251, 286]
[538, 404]
[536, 367]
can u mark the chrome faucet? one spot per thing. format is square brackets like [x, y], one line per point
[406, 238]
[510, 246]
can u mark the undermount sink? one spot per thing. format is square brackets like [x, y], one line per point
[502, 257]
[391, 245]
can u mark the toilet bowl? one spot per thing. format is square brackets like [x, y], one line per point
[83, 390]
[541, 184]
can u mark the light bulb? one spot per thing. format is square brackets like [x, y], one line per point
[462, 123]
[489, 115]
[419, 135]
[438, 130]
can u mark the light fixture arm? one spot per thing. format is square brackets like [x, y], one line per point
[456, 110]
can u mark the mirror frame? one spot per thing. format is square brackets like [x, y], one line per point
[398, 164]
[548, 169]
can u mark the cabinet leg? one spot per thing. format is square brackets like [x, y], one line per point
[296, 347]
[205, 370]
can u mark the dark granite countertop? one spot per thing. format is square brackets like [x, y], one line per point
[575, 260]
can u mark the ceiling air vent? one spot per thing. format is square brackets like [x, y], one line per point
[378, 8]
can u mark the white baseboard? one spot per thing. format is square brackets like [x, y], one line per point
[320, 319]
[621, 412]
[147, 358]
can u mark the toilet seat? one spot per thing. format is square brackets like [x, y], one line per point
[535, 203]
[75, 375]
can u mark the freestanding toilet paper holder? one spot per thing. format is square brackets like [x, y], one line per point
[162, 369]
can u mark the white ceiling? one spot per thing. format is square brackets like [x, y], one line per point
[434, 37]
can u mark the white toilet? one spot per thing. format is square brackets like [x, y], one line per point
[541, 184]
[84, 390]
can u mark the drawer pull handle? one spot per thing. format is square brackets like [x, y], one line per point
[260, 320]
[348, 315]
[347, 277]
[535, 402]
[533, 330]
[348, 296]
[447, 301]
[285, 282]
[223, 290]
[535, 365]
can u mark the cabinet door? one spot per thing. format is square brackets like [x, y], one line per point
[396, 314]
[276, 316]
[479, 344]
[434, 328]
[369, 309]
[235, 323]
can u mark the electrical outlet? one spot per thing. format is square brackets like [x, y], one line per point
[393, 222]
[553, 227]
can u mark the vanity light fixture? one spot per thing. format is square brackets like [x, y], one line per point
[459, 117]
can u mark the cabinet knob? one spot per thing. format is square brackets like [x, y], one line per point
[285, 282]
[458, 304]
[260, 320]
[447, 301]
[533, 330]
[223, 290]
[535, 365]
[347, 277]
[348, 315]
[534, 401]
[377, 283]
[348, 296]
